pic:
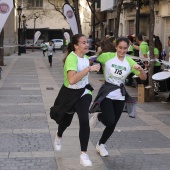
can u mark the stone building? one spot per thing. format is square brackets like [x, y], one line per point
[42, 16]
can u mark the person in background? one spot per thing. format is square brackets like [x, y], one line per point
[167, 100]
[107, 36]
[111, 96]
[53, 46]
[90, 41]
[130, 48]
[129, 79]
[111, 35]
[66, 43]
[106, 46]
[157, 54]
[44, 48]
[50, 48]
[79, 94]
[136, 52]
[143, 48]
[169, 50]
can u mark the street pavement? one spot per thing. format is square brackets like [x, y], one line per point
[28, 89]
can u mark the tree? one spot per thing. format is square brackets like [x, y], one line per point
[57, 7]
[151, 47]
[119, 7]
[1, 48]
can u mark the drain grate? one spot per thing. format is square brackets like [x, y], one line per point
[49, 88]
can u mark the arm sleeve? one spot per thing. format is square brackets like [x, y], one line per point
[104, 57]
[143, 49]
[156, 51]
[132, 63]
[71, 63]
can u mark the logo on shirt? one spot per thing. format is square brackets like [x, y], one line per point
[4, 8]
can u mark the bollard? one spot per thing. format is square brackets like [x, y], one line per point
[0, 72]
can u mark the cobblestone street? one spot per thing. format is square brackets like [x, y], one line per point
[28, 89]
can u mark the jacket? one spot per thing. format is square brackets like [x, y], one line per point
[105, 89]
[65, 101]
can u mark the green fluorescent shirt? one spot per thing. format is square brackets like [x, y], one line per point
[75, 63]
[156, 52]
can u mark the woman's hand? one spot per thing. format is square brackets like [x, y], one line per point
[142, 75]
[95, 67]
[137, 67]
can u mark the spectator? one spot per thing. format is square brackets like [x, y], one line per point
[90, 41]
[143, 48]
[130, 48]
[157, 54]
[136, 52]
[168, 99]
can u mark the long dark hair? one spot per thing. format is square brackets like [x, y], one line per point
[107, 45]
[158, 45]
[74, 41]
[120, 39]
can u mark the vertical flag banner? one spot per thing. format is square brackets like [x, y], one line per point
[36, 36]
[67, 36]
[5, 9]
[70, 17]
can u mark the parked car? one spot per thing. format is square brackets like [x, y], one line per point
[58, 43]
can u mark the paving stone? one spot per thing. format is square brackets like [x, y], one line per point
[22, 109]
[138, 162]
[25, 142]
[134, 140]
[21, 99]
[154, 107]
[21, 81]
[19, 85]
[165, 118]
[6, 91]
[28, 164]
[28, 122]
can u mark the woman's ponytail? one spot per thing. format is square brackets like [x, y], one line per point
[70, 47]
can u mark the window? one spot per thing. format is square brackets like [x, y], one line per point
[35, 3]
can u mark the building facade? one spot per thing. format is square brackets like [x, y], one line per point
[46, 18]
[127, 25]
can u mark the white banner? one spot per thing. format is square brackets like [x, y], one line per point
[36, 36]
[70, 17]
[67, 36]
[5, 9]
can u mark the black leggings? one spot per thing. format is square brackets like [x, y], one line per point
[44, 51]
[50, 58]
[111, 112]
[82, 109]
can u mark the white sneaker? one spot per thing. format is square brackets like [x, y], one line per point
[94, 121]
[101, 149]
[57, 143]
[84, 160]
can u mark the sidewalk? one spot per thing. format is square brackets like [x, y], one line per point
[27, 91]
